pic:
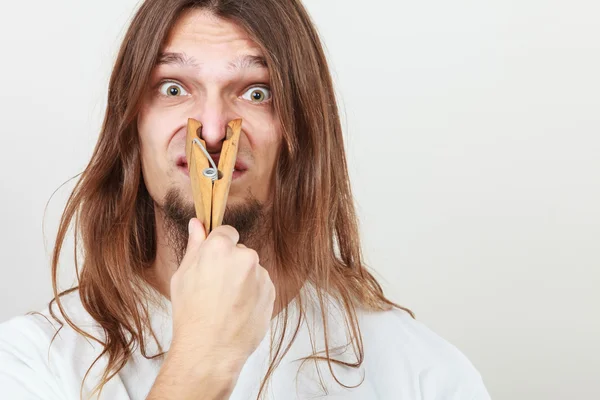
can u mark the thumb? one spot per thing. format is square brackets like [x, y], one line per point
[197, 233]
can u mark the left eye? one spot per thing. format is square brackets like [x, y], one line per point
[172, 89]
[257, 94]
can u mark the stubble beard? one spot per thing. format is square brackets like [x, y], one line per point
[249, 219]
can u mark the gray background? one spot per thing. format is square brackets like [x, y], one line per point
[473, 140]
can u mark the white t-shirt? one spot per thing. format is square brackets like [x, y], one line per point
[402, 360]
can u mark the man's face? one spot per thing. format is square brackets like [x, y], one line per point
[211, 71]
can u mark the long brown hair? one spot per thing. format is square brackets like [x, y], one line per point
[314, 226]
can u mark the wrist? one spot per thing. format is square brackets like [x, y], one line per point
[211, 375]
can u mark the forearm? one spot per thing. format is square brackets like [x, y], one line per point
[203, 380]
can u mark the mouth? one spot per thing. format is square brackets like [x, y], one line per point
[238, 170]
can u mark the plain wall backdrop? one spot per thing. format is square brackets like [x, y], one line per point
[473, 137]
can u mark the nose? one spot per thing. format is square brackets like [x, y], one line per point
[214, 116]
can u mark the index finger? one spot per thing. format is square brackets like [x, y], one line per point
[226, 231]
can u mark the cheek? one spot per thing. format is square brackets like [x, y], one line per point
[266, 143]
[265, 135]
[271, 143]
[154, 132]
[151, 126]
[149, 138]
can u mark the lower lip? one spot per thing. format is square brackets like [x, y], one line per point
[236, 174]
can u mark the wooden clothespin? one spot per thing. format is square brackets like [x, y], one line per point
[210, 185]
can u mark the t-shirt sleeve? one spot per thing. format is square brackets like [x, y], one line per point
[480, 392]
[453, 382]
[452, 377]
[24, 367]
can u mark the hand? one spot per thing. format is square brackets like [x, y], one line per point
[222, 301]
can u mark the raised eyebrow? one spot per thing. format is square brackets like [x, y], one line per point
[248, 61]
[181, 59]
[242, 62]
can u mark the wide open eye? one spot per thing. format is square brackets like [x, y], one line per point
[172, 89]
[257, 94]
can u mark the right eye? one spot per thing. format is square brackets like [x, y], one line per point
[172, 89]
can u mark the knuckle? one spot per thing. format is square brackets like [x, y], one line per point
[220, 242]
[246, 268]
[229, 228]
[252, 256]
[264, 273]
[270, 289]
[265, 277]
[226, 230]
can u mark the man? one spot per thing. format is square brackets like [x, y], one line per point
[275, 304]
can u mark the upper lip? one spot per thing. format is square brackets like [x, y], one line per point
[239, 164]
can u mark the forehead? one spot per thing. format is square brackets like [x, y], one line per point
[205, 37]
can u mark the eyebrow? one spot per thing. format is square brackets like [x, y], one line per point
[180, 59]
[246, 61]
